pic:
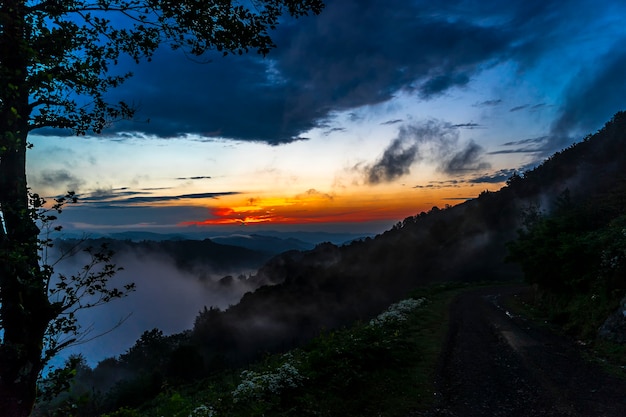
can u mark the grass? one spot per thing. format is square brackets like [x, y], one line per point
[367, 369]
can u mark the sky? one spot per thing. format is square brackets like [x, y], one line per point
[366, 114]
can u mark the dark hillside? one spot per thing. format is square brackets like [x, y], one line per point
[190, 255]
[330, 286]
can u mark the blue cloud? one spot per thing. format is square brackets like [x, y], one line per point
[357, 53]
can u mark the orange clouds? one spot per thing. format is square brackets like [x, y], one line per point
[315, 207]
[309, 207]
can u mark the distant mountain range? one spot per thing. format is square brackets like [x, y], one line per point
[268, 241]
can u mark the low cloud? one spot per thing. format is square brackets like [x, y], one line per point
[467, 159]
[395, 162]
[593, 97]
[434, 141]
[56, 179]
[167, 297]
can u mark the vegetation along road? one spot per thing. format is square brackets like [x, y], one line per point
[496, 363]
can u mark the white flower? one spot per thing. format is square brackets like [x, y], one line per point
[254, 386]
[397, 312]
[202, 411]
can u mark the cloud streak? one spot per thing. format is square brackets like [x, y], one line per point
[123, 196]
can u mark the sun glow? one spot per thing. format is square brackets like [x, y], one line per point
[314, 206]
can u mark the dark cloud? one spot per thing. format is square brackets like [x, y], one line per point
[539, 146]
[593, 97]
[467, 159]
[334, 129]
[57, 178]
[495, 177]
[488, 103]
[107, 194]
[540, 139]
[123, 196]
[440, 184]
[312, 192]
[395, 162]
[468, 125]
[392, 122]
[440, 83]
[527, 106]
[160, 198]
[103, 216]
[527, 150]
[433, 140]
[356, 53]
[193, 178]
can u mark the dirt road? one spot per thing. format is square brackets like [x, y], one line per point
[498, 364]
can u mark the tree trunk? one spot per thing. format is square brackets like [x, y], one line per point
[25, 309]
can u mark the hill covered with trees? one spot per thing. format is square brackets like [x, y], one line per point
[561, 226]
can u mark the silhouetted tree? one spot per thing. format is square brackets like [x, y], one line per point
[55, 57]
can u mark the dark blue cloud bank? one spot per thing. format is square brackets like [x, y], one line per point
[363, 52]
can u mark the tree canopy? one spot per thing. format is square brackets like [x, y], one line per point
[58, 59]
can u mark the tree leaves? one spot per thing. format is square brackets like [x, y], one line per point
[71, 47]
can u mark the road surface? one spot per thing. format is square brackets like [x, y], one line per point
[498, 364]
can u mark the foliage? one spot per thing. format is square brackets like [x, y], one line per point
[260, 392]
[62, 392]
[63, 296]
[58, 62]
[397, 312]
[68, 295]
[70, 47]
[382, 367]
[577, 258]
[58, 380]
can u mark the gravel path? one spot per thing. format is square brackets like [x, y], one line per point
[498, 364]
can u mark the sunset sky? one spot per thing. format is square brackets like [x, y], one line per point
[366, 114]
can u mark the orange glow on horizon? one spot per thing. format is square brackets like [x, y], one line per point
[315, 207]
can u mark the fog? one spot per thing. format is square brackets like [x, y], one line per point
[166, 297]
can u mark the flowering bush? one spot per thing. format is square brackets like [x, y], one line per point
[256, 386]
[202, 411]
[397, 312]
